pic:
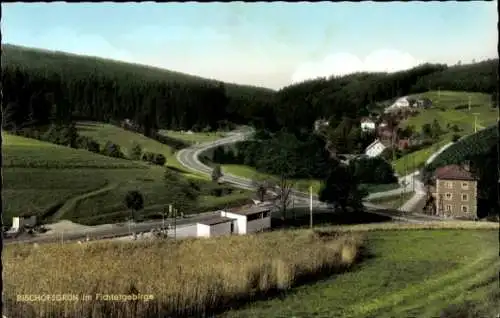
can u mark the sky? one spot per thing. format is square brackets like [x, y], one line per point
[263, 44]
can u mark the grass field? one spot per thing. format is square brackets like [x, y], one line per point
[301, 184]
[412, 273]
[62, 183]
[193, 138]
[452, 108]
[417, 159]
[184, 278]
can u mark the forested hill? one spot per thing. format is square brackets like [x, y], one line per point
[356, 94]
[101, 89]
[35, 82]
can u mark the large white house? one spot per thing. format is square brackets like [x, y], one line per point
[398, 104]
[375, 149]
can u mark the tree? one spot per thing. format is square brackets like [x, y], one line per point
[159, 159]
[281, 161]
[436, 130]
[216, 173]
[180, 193]
[135, 152]
[112, 150]
[342, 189]
[134, 201]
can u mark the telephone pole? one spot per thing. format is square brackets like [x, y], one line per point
[475, 121]
[311, 207]
[469, 103]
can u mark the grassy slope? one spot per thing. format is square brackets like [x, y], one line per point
[39, 175]
[449, 108]
[409, 276]
[452, 108]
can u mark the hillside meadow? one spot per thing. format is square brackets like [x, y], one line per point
[452, 108]
[187, 278]
[416, 272]
[57, 182]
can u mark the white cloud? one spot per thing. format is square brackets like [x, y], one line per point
[346, 63]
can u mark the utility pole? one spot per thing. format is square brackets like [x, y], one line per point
[311, 207]
[469, 103]
[475, 121]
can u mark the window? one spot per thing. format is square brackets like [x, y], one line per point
[448, 208]
[448, 196]
[465, 185]
[465, 197]
[465, 209]
[449, 185]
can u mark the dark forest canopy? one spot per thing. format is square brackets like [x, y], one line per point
[39, 83]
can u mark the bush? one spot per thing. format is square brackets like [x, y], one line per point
[159, 159]
[154, 158]
[455, 137]
[112, 150]
[135, 152]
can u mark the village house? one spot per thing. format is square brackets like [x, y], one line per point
[367, 124]
[455, 192]
[375, 149]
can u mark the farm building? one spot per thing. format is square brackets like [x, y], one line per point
[250, 220]
[22, 221]
[215, 226]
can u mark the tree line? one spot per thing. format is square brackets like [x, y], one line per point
[96, 89]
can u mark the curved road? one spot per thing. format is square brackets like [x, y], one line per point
[189, 159]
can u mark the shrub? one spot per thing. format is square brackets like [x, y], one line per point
[135, 152]
[112, 150]
[159, 159]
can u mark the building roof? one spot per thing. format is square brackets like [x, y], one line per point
[216, 219]
[250, 210]
[453, 172]
[366, 120]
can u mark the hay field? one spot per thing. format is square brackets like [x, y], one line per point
[185, 278]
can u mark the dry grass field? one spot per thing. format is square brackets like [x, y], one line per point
[186, 278]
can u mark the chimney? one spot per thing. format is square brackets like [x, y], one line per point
[466, 166]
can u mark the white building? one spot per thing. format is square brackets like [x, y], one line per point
[250, 220]
[20, 222]
[215, 226]
[367, 124]
[398, 104]
[375, 149]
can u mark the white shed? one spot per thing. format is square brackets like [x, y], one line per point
[19, 222]
[215, 226]
[250, 220]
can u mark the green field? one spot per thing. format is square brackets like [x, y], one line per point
[453, 108]
[193, 138]
[83, 186]
[412, 273]
[416, 160]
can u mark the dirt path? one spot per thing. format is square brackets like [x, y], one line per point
[73, 202]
